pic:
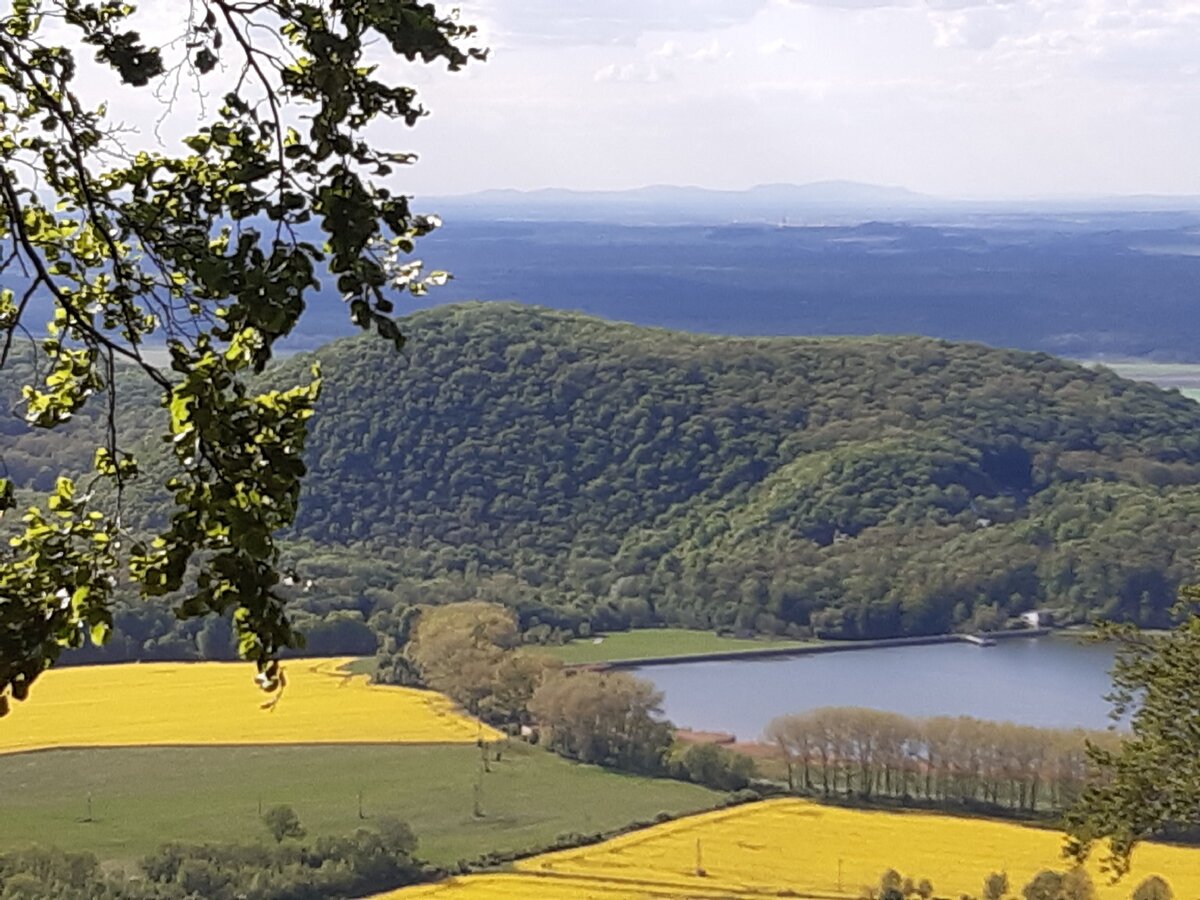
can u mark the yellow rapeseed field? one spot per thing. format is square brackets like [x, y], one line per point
[531, 887]
[167, 704]
[782, 846]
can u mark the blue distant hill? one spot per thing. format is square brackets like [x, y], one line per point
[1119, 285]
[1092, 278]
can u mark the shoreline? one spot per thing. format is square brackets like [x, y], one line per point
[983, 639]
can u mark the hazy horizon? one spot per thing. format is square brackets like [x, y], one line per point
[1065, 196]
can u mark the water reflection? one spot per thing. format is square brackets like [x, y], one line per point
[1054, 682]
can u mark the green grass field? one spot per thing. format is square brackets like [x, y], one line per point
[643, 643]
[363, 666]
[144, 797]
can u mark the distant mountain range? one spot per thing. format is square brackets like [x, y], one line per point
[823, 202]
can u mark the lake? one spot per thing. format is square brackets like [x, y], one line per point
[1047, 681]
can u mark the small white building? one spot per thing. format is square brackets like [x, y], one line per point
[1032, 619]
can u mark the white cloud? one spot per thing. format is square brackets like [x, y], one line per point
[710, 53]
[846, 4]
[634, 73]
[777, 47]
[609, 22]
[980, 28]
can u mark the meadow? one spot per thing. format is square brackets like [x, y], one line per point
[644, 643]
[799, 848]
[176, 704]
[140, 798]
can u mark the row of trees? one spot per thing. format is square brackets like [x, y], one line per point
[473, 652]
[608, 718]
[868, 753]
[1048, 884]
[370, 860]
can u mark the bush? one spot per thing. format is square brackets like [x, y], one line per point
[1153, 888]
[737, 798]
[282, 822]
[995, 886]
[711, 765]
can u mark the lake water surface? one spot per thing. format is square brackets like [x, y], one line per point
[1046, 681]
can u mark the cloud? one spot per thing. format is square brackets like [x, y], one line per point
[948, 96]
[709, 54]
[974, 29]
[777, 48]
[610, 22]
[847, 4]
[936, 5]
[632, 73]
[958, 5]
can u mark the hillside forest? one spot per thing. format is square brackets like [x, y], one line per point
[595, 476]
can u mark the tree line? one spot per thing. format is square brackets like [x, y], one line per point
[370, 860]
[867, 753]
[473, 653]
[1047, 884]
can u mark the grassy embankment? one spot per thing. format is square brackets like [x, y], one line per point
[647, 643]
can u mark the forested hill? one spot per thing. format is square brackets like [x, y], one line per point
[598, 475]
[854, 486]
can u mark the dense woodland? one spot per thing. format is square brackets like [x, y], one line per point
[598, 476]
[371, 859]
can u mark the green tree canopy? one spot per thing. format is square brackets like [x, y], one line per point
[1150, 783]
[282, 822]
[208, 251]
[470, 652]
[608, 718]
[1153, 887]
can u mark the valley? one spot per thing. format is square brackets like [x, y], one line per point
[754, 454]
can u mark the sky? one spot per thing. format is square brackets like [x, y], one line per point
[955, 98]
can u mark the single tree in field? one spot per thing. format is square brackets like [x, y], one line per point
[1045, 885]
[891, 885]
[207, 248]
[1077, 885]
[1074, 884]
[995, 886]
[1150, 781]
[282, 822]
[1153, 887]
